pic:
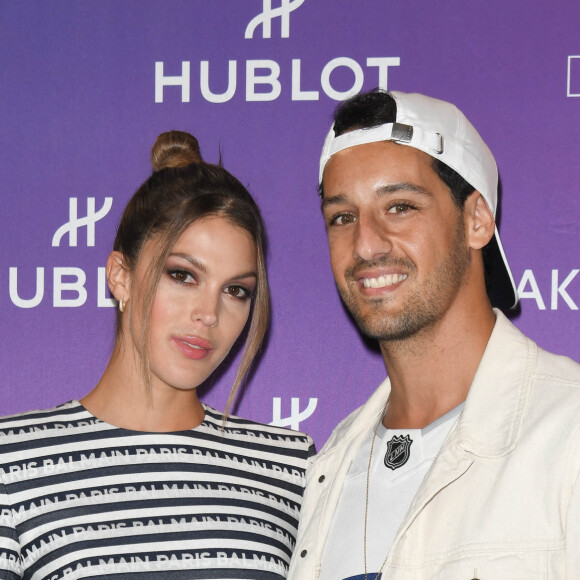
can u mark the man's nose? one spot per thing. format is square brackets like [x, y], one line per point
[372, 238]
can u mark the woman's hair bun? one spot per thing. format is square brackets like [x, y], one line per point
[175, 149]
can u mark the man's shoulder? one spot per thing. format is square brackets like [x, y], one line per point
[556, 368]
[510, 345]
[553, 402]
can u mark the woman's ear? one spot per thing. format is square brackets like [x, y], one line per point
[118, 277]
[480, 223]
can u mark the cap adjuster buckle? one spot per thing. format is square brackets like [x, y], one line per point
[439, 149]
[403, 133]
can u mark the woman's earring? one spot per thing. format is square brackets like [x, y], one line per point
[121, 305]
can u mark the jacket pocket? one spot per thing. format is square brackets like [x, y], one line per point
[500, 566]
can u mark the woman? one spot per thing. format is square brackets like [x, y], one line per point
[140, 479]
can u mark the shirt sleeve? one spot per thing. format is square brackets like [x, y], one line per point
[10, 556]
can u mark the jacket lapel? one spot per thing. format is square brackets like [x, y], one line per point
[490, 423]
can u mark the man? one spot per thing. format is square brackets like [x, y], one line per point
[464, 463]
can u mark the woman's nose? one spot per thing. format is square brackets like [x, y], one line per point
[205, 309]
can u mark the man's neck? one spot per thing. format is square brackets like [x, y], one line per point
[431, 372]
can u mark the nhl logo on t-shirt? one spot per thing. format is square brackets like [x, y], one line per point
[398, 451]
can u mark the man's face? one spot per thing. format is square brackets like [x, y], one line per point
[397, 241]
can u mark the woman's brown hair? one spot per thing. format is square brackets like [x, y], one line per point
[182, 190]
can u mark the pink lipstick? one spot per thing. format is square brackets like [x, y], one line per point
[192, 347]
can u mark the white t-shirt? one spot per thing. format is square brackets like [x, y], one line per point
[401, 458]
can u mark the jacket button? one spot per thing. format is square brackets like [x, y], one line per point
[321, 478]
[303, 553]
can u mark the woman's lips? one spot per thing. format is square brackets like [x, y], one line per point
[193, 347]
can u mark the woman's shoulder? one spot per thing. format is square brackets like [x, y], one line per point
[261, 433]
[38, 422]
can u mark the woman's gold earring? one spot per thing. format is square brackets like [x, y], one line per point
[121, 305]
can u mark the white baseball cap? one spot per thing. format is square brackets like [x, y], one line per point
[442, 131]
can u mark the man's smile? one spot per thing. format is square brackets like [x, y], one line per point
[383, 281]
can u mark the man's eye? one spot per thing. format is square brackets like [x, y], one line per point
[343, 219]
[400, 208]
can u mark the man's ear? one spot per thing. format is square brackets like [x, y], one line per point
[118, 276]
[479, 221]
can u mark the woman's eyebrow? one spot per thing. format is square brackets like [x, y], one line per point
[193, 261]
[202, 268]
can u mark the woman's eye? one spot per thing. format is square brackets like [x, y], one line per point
[238, 292]
[181, 276]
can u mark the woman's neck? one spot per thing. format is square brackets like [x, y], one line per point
[123, 398]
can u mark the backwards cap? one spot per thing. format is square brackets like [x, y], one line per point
[442, 131]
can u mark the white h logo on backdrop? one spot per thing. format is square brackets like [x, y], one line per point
[296, 415]
[69, 282]
[88, 221]
[264, 19]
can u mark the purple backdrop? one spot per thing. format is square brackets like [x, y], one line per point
[83, 99]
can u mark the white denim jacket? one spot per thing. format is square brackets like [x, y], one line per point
[501, 500]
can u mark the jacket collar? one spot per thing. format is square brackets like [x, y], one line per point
[492, 417]
[491, 421]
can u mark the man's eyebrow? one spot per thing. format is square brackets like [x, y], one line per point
[389, 189]
[403, 186]
[334, 200]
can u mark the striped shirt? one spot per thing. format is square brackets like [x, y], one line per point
[80, 498]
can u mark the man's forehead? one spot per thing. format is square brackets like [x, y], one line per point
[378, 168]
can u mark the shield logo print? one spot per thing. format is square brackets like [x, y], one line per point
[398, 451]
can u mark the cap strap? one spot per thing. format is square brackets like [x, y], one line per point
[431, 143]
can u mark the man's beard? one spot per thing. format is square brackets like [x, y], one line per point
[423, 308]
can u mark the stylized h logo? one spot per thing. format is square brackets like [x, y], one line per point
[296, 415]
[268, 14]
[75, 222]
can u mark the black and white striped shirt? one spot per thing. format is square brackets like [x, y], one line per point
[80, 498]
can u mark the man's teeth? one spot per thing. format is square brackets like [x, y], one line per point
[383, 281]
